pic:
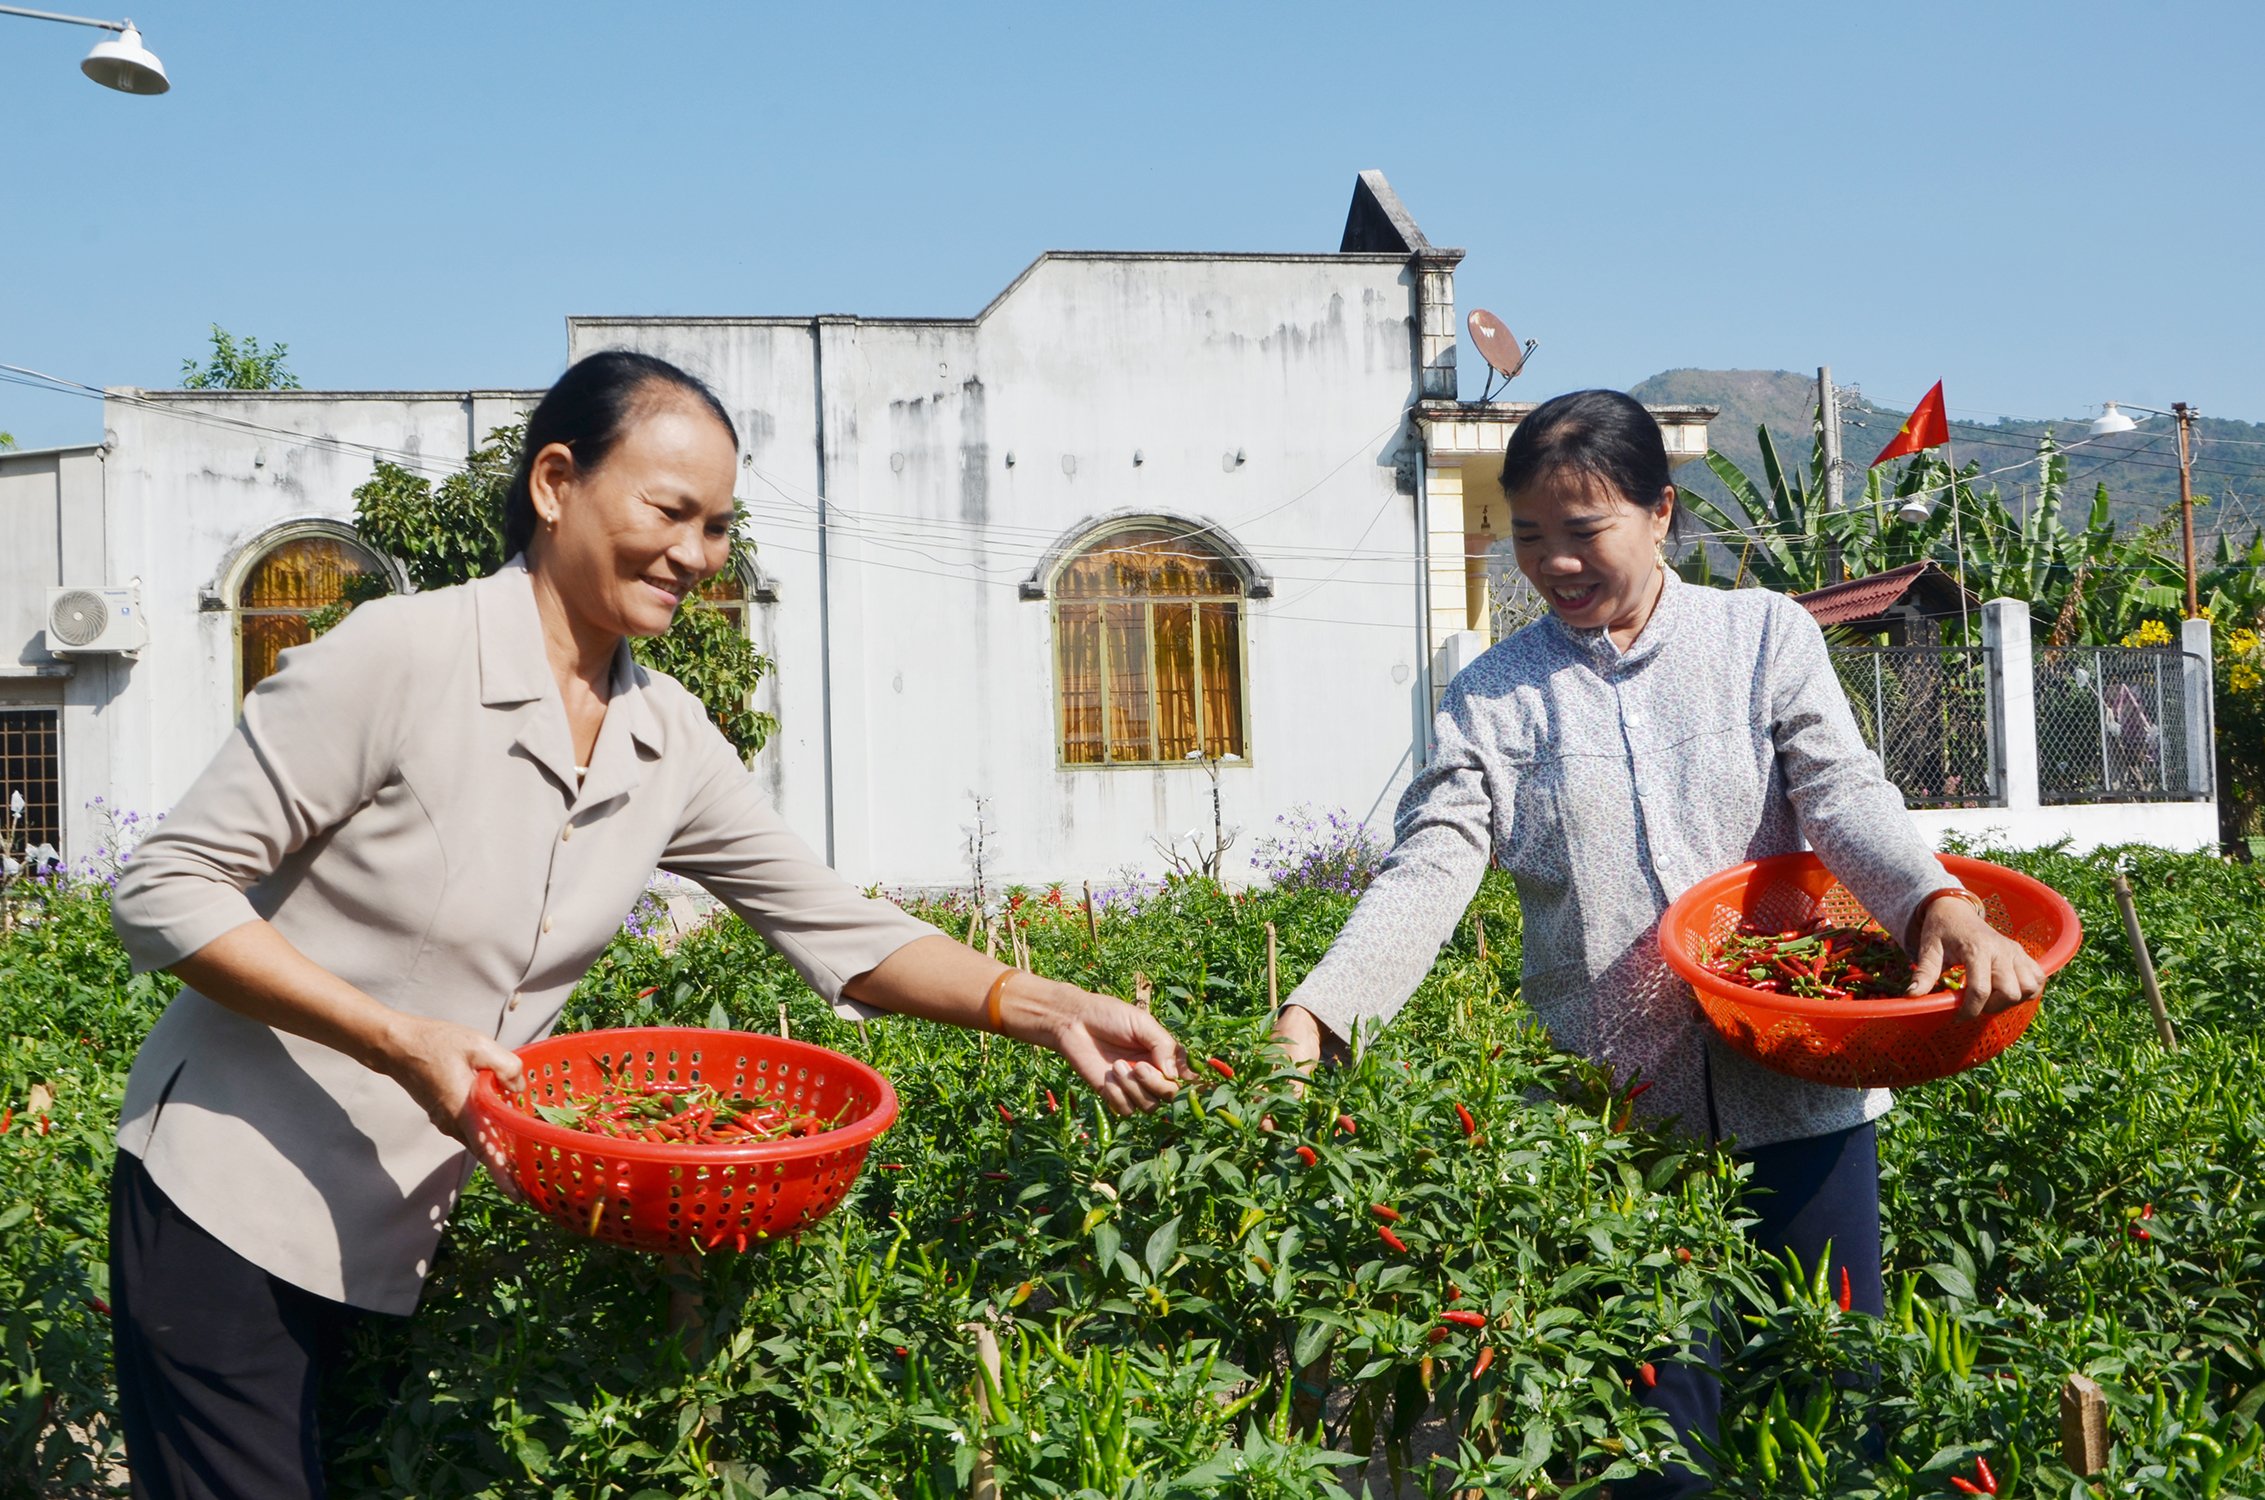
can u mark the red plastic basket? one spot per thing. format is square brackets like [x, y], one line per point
[1887, 1043]
[678, 1197]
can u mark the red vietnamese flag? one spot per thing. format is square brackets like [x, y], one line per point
[1928, 426]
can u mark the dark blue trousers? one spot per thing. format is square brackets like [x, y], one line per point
[1808, 1193]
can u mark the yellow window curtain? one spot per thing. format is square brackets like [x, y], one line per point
[1221, 649]
[287, 586]
[1148, 650]
[1077, 666]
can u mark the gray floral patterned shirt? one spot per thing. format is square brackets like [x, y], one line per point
[1609, 782]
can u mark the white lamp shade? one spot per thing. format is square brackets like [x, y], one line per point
[123, 63]
[2111, 421]
[1916, 509]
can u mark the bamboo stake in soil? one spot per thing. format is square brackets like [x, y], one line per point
[785, 1035]
[2163, 1028]
[1273, 973]
[1092, 927]
[2084, 1421]
[1478, 921]
[1143, 991]
[983, 1483]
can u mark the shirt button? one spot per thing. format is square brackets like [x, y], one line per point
[514, 1000]
[546, 924]
[566, 833]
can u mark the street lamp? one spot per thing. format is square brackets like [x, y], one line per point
[2111, 421]
[120, 62]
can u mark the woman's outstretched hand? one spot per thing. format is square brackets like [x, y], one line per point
[437, 1063]
[1999, 971]
[1120, 1050]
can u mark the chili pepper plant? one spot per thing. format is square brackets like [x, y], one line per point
[1443, 1268]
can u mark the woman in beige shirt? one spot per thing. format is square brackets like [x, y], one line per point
[424, 829]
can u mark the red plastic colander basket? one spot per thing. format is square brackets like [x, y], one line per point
[1888, 1043]
[675, 1197]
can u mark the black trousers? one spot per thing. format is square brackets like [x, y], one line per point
[1820, 1189]
[219, 1363]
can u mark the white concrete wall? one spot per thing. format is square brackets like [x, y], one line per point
[942, 675]
[196, 478]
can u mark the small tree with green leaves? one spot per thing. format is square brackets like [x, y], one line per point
[238, 365]
[452, 532]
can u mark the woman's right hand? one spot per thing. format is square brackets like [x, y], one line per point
[438, 1063]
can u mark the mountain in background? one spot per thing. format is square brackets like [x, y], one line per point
[2139, 468]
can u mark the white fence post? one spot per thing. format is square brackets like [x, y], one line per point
[2013, 699]
[2200, 668]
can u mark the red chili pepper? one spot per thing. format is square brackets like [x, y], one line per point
[1467, 1319]
[1384, 1233]
[1847, 1292]
[1683, 1255]
[1385, 1212]
[1307, 1155]
[1216, 1066]
[7, 1118]
[1966, 1487]
[1648, 1373]
[902, 1351]
[648, 991]
[892, 1166]
[96, 1304]
[1053, 1105]
[1345, 1124]
[2138, 1231]
[45, 1124]
[995, 1176]
[1439, 1335]
[1639, 1091]
[1470, 1126]
[2146, 1210]
[1486, 1358]
[1454, 1292]
[1982, 1472]
[1005, 1113]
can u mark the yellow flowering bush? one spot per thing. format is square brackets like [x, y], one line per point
[2150, 633]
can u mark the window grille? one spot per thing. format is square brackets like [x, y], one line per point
[31, 762]
[1148, 652]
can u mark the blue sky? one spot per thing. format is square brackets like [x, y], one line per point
[416, 195]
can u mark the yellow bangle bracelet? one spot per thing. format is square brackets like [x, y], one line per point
[991, 1000]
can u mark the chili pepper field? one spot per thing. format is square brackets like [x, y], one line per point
[1376, 1294]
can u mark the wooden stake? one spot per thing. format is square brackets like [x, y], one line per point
[785, 1035]
[1273, 974]
[2163, 1028]
[991, 939]
[1478, 920]
[1092, 927]
[2084, 1423]
[974, 923]
[1143, 991]
[983, 1483]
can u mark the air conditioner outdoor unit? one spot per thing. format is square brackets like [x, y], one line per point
[95, 619]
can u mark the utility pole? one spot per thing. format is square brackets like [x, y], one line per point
[1828, 416]
[2185, 415]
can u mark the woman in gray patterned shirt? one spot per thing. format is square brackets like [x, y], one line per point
[1645, 735]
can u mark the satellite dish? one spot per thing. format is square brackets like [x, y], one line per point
[1498, 346]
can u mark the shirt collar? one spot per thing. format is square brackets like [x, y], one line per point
[1599, 647]
[515, 669]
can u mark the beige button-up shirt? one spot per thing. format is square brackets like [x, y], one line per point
[400, 801]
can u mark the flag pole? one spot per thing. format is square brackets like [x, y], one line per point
[1957, 532]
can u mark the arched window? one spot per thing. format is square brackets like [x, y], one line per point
[285, 587]
[1148, 650]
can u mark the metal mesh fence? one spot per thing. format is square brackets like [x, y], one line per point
[1925, 711]
[2112, 726]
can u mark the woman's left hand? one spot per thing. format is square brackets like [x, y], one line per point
[1120, 1050]
[1999, 971]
